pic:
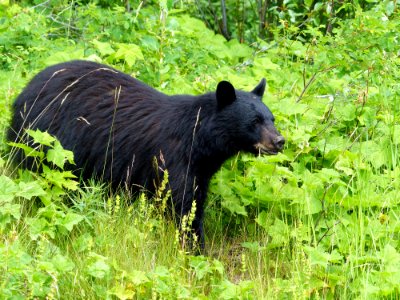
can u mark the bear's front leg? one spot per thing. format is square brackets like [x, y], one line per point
[197, 226]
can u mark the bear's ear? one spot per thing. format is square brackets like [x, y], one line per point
[225, 94]
[260, 88]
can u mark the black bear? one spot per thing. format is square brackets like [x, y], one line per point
[116, 126]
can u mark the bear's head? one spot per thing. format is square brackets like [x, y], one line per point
[248, 122]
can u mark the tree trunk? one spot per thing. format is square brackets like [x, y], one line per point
[224, 29]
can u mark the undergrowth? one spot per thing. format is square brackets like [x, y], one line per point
[319, 220]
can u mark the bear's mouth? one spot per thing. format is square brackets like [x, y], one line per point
[261, 148]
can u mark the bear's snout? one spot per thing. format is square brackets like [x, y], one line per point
[271, 141]
[279, 142]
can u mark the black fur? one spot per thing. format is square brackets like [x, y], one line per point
[116, 126]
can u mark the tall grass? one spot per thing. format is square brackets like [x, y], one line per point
[321, 220]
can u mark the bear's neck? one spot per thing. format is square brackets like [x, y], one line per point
[210, 148]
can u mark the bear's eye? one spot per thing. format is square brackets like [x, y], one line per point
[258, 120]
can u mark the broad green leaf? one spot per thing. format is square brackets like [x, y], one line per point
[62, 263]
[218, 266]
[234, 206]
[138, 277]
[280, 233]
[150, 42]
[70, 220]
[123, 292]
[28, 190]
[396, 134]
[229, 290]
[83, 242]
[297, 48]
[9, 209]
[28, 151]
[97, 266]
[253, 246]
[61, 179]
[239, 50]
[43, 138]
[265, 63]
[264, 219]
[368, 117]
[308, 4]
[182, 292]
[8, 189]
[103, 47]
[200, 265]
[289, 107]
[66, 54]
[58, 155]
[38, 227]
[346, 112]
[128, 52]
[320, 257]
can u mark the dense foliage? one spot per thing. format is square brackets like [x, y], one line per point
[266, 19]
[321, 219]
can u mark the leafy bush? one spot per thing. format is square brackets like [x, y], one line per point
[251, 20]
[319, 220]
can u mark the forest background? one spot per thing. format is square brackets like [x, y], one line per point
[320, 220]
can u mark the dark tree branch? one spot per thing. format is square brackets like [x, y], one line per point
[311, 80]
[329, 26]
[224, 29]
[262, 9]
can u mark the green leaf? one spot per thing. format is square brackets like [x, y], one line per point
[308, 4]
[104, 48]
[43, 138]
[318, 256]
[234, 206]
[289, 107]
[138, 277]
[390, 256]
[368, 117]
[97, 266]
[229, 199]
[83, 243]
[31, 189]
[150, 43]
[39, 226]
[280, 233]
[8, 209]
[61, 179]
[265, 63]
[229, 290]
[237, 49]
[28, 151]
[253, 246]
[182, 292]
[218, 266]
[70, 220]
[200, 265]
[264, 219]
[122, 292]
[62, 263]
[8, 189]
[66, 54]
[396, 134]
[346, 112]
[128, 52]
[58, 155]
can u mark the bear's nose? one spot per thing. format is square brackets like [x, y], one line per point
[279, 141]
